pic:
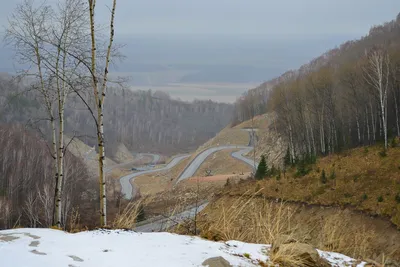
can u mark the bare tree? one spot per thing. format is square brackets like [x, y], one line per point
[99, 91]
[376, 73]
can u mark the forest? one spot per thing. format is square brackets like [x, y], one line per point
[347, 97]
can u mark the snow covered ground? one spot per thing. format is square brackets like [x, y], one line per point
[50, 248]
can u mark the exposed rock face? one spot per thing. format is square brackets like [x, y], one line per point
[216, 262]
[122, 154]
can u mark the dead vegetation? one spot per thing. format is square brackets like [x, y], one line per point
[253, 218]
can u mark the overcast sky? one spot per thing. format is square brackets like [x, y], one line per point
[255, 17]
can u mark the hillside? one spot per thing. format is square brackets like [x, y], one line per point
[349, 202]
[144, 121]
[385, 34]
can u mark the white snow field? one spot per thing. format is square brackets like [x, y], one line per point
[114, 248]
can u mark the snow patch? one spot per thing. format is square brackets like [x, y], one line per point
[126, 248]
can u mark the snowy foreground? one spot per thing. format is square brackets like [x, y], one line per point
[46, 247]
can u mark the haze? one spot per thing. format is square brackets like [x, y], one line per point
[218, 49]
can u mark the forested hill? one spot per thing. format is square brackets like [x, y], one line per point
[348, 96]
[144, 121]
[387, 35]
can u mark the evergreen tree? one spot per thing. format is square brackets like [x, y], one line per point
[287, 160]
[261, 169]
[323, 177]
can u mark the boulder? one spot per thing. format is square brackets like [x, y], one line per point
[216, 262]
[305, 254]
[281, 240]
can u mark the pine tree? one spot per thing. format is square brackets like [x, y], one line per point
[261, 169]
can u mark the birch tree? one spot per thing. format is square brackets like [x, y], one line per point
[45, 38]
[28, 27]
[376, 74]
[99, 83]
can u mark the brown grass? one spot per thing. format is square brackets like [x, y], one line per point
[127, 217]
[252, 218]
[221, 162]
[362, 180]
[287, 257]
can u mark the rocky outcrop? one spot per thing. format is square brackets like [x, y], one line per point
[216, 262]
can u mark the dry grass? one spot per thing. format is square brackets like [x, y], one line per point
[251, 218]
[127, 217]
[221, 162]
[228, 136]
[288, 257]
[335, 236]
[243, 219]
[362, 180]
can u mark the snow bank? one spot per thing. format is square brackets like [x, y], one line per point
[49, 248]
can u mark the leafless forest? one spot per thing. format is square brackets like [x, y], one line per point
[347, 97]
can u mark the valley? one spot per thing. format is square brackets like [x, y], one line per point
[220, 135]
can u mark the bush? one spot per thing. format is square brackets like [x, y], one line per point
[383, 153]
[302, 169]
[393, 143]
[397, 198]
[278, 177]
[323, 177]
[364, 197]
[380, 199]
[332, 176]
[287, 159]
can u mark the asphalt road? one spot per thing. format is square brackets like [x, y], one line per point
[195, 164]
[128, 190]
[126, 186]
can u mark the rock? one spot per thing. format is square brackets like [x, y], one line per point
[216, 262]
[281, 240]
[301, 252]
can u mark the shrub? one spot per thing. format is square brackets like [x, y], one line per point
[278, 177]
[397, 198]
[382, 153]
[287, 160]
[393, 143]
[323, 177]
[332, 176]
[246, 255]
[380, 199]
[366, 150]
[302, 169]
[364, 197]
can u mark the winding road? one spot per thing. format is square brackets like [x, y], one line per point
[195, 164]
[126, 186]
[128, 190]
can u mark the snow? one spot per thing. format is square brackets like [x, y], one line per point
[49, 248]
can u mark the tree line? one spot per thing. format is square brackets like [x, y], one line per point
[345, 98]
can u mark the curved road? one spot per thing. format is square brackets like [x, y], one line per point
[194, 165]
[126, 186]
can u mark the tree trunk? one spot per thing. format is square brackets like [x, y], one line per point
[396, 107]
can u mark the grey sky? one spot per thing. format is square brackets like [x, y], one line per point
[256, 17]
